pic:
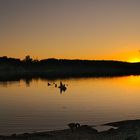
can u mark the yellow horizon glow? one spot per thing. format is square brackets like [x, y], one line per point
[120, 56]
[134, 60]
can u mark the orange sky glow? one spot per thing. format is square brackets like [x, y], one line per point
[104, 29]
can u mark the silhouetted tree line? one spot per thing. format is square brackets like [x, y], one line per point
[63, 67]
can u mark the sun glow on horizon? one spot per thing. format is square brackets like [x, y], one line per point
[134, 60]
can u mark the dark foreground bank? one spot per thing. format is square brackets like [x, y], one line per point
[126, 130]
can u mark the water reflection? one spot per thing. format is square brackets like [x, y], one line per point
[62, 87]
[28, 82]
[88, 101]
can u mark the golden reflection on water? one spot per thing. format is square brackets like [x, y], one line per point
[31, 106]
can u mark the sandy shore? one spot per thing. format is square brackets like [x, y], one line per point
[126, 130]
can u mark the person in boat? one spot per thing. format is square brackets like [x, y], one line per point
[62, 87]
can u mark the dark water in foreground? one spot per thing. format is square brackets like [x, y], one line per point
[35, 106]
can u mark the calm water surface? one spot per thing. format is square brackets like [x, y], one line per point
[34, 106]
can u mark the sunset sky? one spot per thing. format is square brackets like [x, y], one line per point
[71, 29]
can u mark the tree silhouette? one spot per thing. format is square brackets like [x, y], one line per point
[28, 59]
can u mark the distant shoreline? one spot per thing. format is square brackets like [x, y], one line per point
[11, 76]
[16, 78]
[12, 68]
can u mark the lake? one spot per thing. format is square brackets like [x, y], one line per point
[32, 105]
